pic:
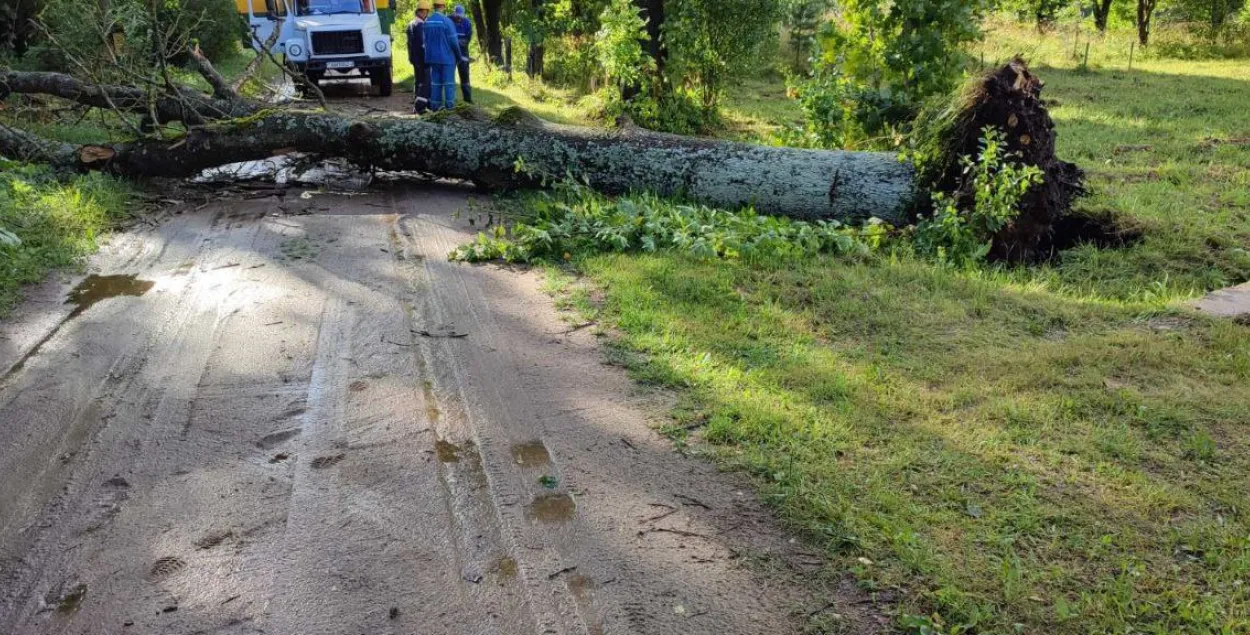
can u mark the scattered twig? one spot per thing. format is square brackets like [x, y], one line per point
[424, 333]
[395, 343]
[671, 510]
[679, 532]
[690, 500]
[552, 576]
[576, 327]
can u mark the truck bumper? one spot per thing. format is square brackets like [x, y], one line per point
[360, 63]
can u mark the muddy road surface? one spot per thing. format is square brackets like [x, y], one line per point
[298, 417]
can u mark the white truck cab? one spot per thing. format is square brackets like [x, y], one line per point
[327, 39]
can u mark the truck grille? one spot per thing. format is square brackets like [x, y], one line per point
[337, 43]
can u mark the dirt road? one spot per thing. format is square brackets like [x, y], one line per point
[300, 424]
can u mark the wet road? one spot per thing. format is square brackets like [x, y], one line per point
[257, 422]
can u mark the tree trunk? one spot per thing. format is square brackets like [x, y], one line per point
[479, 24]
[492, 10]
[808, 184]
[1102, 11]
[653, 12]
[534, 56]
[1145, 10]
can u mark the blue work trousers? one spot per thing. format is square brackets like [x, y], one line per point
[443, 86]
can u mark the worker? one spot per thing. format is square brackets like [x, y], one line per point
[416, 55]
[464, 33]
[442, 52]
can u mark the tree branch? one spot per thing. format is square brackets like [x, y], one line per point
[221, 88]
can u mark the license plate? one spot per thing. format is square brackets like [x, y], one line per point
[340, 64]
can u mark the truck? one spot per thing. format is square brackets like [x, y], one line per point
[327, 39]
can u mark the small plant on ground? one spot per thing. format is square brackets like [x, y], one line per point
[994, 188]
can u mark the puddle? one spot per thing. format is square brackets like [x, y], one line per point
[531, 454]
[97, 288]
[448, 452]
[506, 568]
[72, 601]
[551, 508]
[87, 294]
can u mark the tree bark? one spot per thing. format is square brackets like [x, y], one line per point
[808, 184]
[653, 12]
[1102, 11]
[479, 24]
[1145, 10]
[493, 10]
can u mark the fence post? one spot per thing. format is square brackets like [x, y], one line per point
[1131, 47]
[1085, 64]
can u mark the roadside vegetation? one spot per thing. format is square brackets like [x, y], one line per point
[49, 223]
[997, 448]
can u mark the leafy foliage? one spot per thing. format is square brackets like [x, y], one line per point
[617, 47]
[573, 220]
[996, 185]
[879, 61]
[145, 32]
[710, 41]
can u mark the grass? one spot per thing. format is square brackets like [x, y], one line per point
[57, 220]
[1055, 449]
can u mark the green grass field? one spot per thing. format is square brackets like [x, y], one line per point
[1056, 449]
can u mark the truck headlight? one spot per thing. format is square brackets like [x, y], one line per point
[380, 46]
[295, 50]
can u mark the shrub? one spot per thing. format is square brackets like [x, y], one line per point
[963, 236]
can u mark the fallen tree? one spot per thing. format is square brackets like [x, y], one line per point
[467, 145]
[512, 150]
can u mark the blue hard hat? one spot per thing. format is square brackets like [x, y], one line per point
[460, 9]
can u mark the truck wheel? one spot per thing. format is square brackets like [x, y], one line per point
[382, 79]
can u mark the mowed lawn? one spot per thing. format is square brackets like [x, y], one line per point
[1056, 449]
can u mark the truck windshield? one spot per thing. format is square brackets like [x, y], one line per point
[329, 7]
